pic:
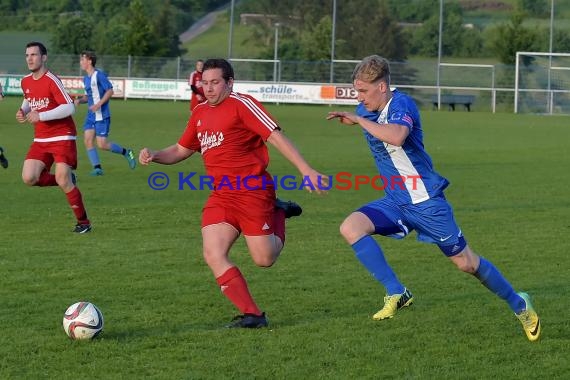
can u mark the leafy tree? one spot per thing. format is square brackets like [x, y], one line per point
[560, 40]
[378, 33]
[538, 8]
[145, 27]
[413, 10]
[309, 25]
[139, 30]
[166, 42]
[457, 39]
[316, 43]
[511, 37]
[73, 34]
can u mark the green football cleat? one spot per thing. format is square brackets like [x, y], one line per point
[130, 156]
[393, 303]
[529, 319]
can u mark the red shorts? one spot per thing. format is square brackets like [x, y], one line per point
[58, 151]
[249, 212]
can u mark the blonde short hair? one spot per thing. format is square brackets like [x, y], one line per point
[372, 69]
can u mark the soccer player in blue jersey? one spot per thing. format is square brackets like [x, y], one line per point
[98, 93]
[414, 198]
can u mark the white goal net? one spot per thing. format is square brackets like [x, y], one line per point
[542, 83]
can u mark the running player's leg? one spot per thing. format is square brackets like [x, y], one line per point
[220, 229]
[102, 129]
[437, 225]
[65, 157]
[378, 217]
[89, 141]
[37, 166]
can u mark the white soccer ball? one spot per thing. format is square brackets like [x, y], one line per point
[82, 320]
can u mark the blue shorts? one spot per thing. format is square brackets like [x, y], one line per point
[432, 219]
[101, 127]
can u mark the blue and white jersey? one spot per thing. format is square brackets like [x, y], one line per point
[96, 86]
[407, 171]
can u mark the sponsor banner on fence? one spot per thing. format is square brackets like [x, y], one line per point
[156, 89]
[265, 92]
[11, 84]
[298, 93]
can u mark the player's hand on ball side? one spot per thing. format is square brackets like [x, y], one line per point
[145, 156]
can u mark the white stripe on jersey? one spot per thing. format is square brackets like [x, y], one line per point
[254, 108]
[56, 138]
[57, 81]
[413, 181]
[96, 95]
[402, 163]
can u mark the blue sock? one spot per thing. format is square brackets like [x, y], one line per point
[371, 256]
[490, 276]
[116, 148]
[93, 156]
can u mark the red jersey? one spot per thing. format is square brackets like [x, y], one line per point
[231, 138]
[45, 94]
[195, 80]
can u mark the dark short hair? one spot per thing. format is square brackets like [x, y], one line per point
[90, 54]
[220, 63]
[41, 46]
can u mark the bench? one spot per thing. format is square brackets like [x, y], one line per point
[452, 100]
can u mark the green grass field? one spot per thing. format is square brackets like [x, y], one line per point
[164, 314]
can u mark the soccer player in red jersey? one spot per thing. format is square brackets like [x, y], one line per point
[230, 131]
[195, 83]
[49, 108]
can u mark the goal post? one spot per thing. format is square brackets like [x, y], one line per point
[542, 83]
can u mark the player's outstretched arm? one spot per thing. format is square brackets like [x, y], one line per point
[290, 152]
[167, 156]
[343, 117]
[394, 134]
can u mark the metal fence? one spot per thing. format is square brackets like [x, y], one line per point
[492, 88]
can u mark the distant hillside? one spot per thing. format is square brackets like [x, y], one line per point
[12, 43]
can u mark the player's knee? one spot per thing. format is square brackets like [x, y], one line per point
[465, 263]
[30, 179]
[209, 257]
[63, 179]
[264, 261]
[465, 266]
[350, 231]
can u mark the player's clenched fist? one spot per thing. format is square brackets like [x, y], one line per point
[20, 116]
[145, 156]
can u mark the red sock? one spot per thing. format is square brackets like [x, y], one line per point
[234, 287]
[76, 202]
[279, 224]
[46, 179]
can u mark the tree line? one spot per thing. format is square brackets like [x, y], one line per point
[395, 29]
[111, 27]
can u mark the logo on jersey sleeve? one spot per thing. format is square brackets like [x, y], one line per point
[403, 117]
[209, 140]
